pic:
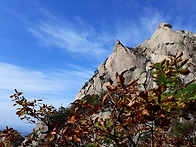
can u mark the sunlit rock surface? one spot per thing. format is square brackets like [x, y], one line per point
[134, 63]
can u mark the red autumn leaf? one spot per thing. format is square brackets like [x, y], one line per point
[180, 55]
[96, 119]
[32, 121]
[11, 96]
[16, 91]
[144, 95]
[169, 99]
[18, 113]
[31, 103]
[20, 93]
[185, 72]
[1, 136]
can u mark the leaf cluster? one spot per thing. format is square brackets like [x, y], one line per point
[10, 137]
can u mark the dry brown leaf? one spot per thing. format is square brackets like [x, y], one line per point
[110, 87]
[145, 112]
[105, 97]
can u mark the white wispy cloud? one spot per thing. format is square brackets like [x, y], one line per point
[132, 32]
[56, 87]
[152, 19]
[13, 76]
[78, 36]
[68, 36]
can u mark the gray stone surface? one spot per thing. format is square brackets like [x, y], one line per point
[39, 132]
[134, 63]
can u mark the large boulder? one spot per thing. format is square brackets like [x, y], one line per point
[134, 63]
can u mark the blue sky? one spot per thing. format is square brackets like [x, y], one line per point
[49, 49]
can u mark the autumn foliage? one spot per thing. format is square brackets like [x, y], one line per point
[136, 116]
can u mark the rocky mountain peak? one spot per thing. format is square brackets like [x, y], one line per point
[134, 63]
[118, 45]
[164, 34]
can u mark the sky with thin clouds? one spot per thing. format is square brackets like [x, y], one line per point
[49, 49]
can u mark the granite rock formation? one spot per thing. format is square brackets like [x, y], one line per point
[134, 63]
[39, 132]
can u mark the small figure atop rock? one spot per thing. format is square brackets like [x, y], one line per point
[163, 24]
[118, 41]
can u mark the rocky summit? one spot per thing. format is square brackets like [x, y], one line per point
[133, 63]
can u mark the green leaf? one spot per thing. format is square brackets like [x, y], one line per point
[155, 72]
[22, 112]
[170, 84]
[161, 78]
[158, 65]
[112, 131]
[109, 125]
[84, 101]
[171, 80]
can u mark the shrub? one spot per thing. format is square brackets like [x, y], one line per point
[137, 117]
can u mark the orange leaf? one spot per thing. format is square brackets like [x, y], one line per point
[110, 87]
[105, 97]
[76, 110]
[85, 132]
[78, 139]
[131, 103]
[72, 120]
[132, 82]
[145, 112]
[53, 133]
[18, 113]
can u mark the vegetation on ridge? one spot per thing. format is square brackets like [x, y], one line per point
[162, 116]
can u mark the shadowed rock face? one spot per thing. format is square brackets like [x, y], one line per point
[134, 63]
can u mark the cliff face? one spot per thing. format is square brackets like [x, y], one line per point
[134, 63]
